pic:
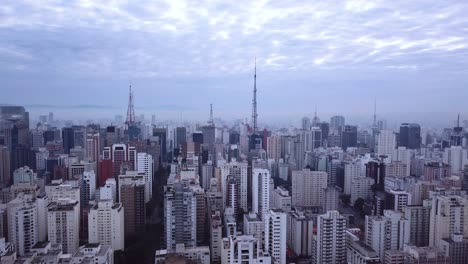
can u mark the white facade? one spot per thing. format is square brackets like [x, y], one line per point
[145, 165]
[275, 235]
[243, 249]
[280, 199]
[22, 224]
[63, 218]
[449, 215]
[109, 190]
[89, 186]
[42, 202]
[387, 232]
[386, 143]
[237, 171]
[66, 190]
[260, 191]
[330, 241]
[93, 253]
[308, 188]
[456, 157]
[254, 226]
[106, 224]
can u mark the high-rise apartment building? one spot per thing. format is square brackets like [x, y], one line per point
[330, 240]
[22, 223]
[106, 224]
[180, 216]
[234, 184]
[388, 232]
[275, 235]
[63, 218]
[308, 188]
[386, 143]
[260, 191]
[145, 165]
[449, 215]
[132, 196]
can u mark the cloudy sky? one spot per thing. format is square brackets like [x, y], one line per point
[180, 56]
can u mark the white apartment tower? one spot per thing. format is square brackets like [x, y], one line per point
[260, 191]
[387, 232]
[145, 165]
[330, 241]
[275, 235]
[22, 223]
[63, 218]
[106, 224]
[308, 188]
[449, 215]
[386, 143]
[235, 172]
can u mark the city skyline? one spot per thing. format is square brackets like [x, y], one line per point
[332, 55]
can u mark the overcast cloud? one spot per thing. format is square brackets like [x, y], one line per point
[180, 56]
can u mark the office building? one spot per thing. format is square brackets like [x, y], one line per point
[410, 136]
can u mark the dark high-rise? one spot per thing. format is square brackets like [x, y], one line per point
[68, 139]
[161, 133]
[410, 136]
[349, 137]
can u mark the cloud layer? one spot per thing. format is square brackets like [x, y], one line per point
[331, 44]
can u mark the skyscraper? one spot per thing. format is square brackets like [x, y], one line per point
[337, 122]
[349, 137]
[410, 136]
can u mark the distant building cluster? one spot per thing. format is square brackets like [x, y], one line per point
[324, 192]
